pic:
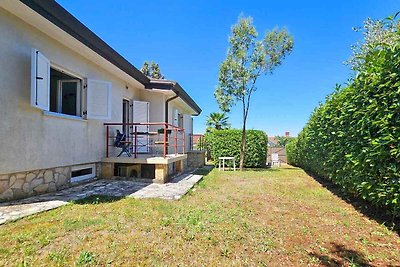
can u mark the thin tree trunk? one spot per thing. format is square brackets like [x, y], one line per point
[243, 146]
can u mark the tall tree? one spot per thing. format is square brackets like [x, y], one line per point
[152, 70]
[247, 59]
[146, 69]
[218, 121]
[283, 140]
[156, 72]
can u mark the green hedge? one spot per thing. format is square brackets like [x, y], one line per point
[353, 138]
[226, 143]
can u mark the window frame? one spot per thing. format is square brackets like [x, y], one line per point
[95, 95]
[78, 97]
[81, 105]
[84, 177]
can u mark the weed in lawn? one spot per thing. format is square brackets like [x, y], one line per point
[305, 229]
[192, 218]
[4, 252]
[266, 245]
[59, 256]
[85, 258]
[44, 239]
[165, 221]
[24, 263]
[23, 237]
[116, 227]
[30, 251]
[225, 252]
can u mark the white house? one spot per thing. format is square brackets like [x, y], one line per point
[63, 94]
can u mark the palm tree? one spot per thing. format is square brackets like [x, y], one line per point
[218, 121]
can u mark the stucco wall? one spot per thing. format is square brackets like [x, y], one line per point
[187, 121]
[30, 140]
[157, 105]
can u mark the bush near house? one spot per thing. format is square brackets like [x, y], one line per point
[224, 143]
[354, 138]
[292, 152]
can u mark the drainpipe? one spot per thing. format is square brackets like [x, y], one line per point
[166, 106]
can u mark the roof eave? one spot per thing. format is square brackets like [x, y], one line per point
[177, 89]
[186, 98]
[60, 17]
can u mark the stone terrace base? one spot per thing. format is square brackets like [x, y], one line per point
[164, 168]
[195, 159]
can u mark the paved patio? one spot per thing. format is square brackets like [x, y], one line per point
[173, 190]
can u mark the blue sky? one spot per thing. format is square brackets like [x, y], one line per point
[189, 40]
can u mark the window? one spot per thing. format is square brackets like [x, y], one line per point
[57, 91]
[178, 118]
[65, 93]
[83, 172]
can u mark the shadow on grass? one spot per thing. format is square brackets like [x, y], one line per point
[96, 199]
[261, 169]
[272, 169]
[373, 212]
[204, 170]
[341, 256]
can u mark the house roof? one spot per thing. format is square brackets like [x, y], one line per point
[56, 14]
[162, 84]
[60, 17]
[272, 141]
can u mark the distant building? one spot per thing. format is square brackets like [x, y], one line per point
[275, 148]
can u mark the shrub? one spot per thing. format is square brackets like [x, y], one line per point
[224, 143]
[291, 151]
[353, 138]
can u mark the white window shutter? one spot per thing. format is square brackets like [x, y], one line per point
[141, 114]
[98, 100]
[40, 81]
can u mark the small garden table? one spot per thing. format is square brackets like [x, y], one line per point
[222, 159]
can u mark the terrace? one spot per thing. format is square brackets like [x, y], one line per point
[139, 150]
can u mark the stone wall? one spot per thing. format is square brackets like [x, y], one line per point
[26, 184]
[195, 159]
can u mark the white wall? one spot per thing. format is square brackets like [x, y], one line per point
[187, 121]
[157, 104]
[29, 139]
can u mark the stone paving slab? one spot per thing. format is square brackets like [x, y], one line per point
[173, 190]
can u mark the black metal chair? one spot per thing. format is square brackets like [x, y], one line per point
[120, 142]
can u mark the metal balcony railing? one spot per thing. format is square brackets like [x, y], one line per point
[196, 142]
[145, 138]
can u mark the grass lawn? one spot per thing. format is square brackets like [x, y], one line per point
[275, 217]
